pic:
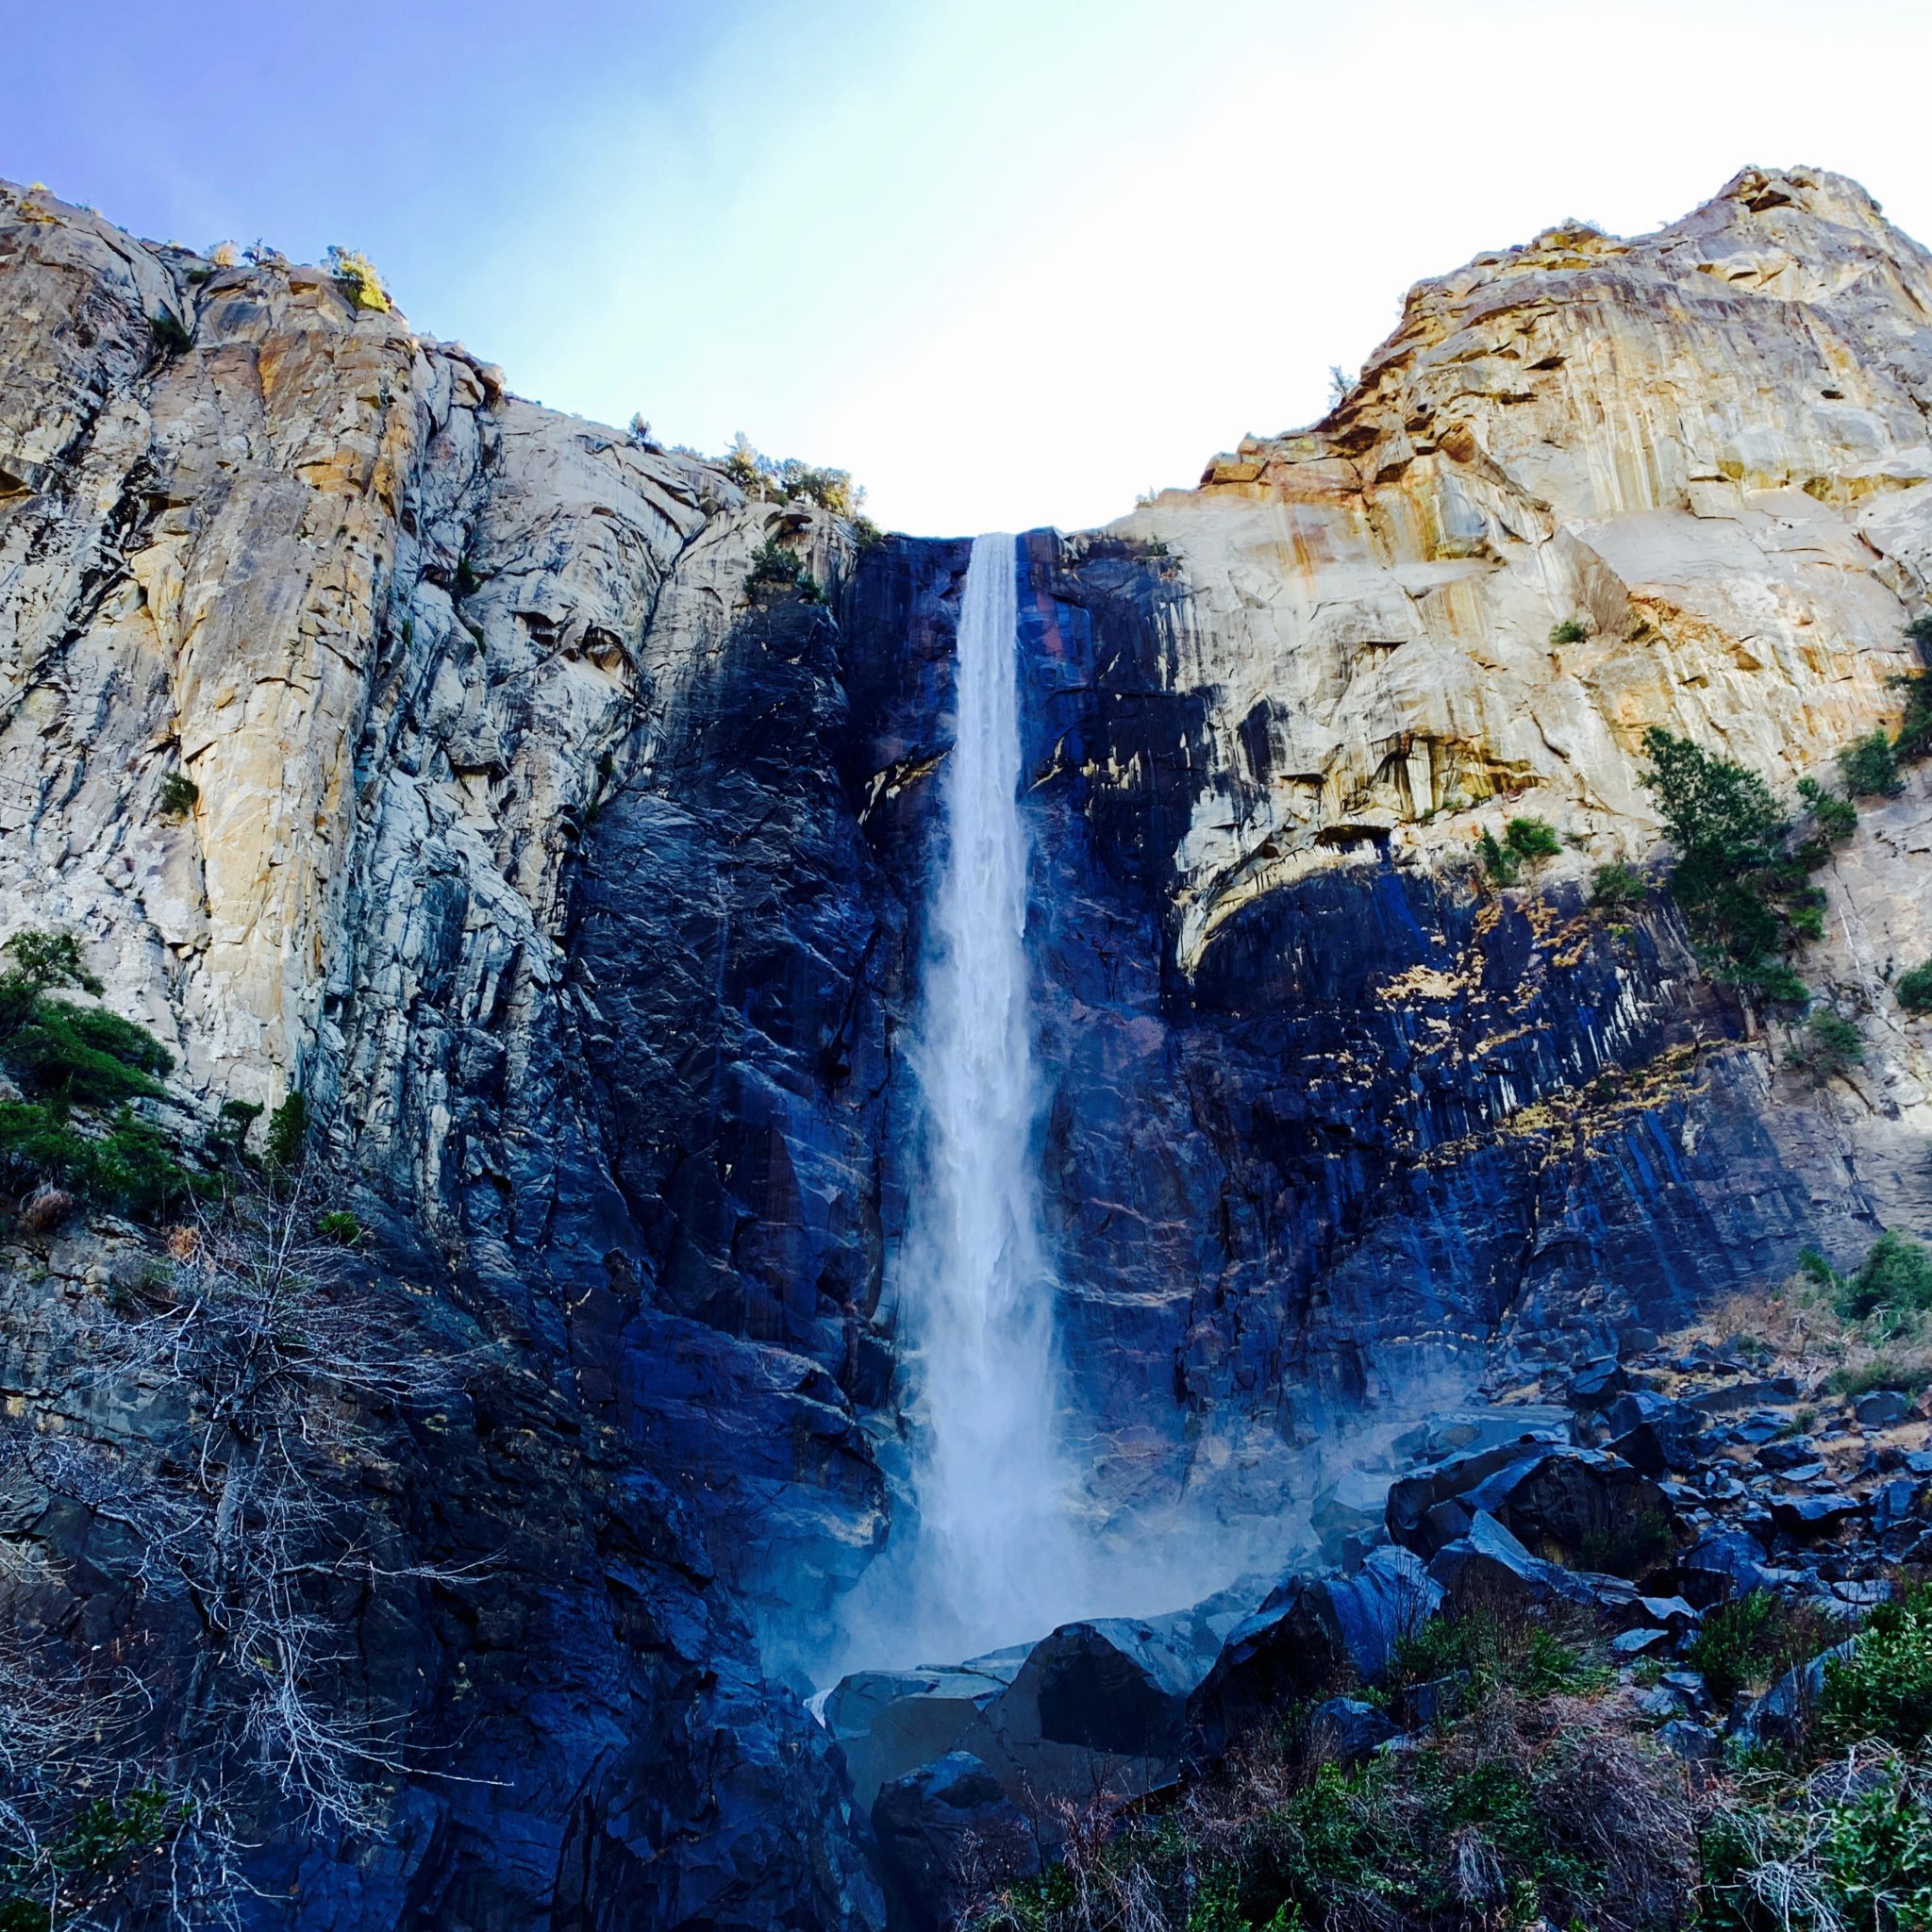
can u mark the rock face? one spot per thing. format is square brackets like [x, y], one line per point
[578, 890]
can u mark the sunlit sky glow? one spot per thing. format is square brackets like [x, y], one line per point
[1010, 263]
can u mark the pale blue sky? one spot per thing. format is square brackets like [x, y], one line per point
[1009, 262]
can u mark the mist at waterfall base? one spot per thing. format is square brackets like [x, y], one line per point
[994, 1541]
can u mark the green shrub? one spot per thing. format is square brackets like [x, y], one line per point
[171, 334]
[1502, 864]
[1615, 888]
[1880, 1372]
[1884, 1689]
[775, 573]
[358, 276]
[178, 795]
[81, 1875]
[339, 1226]
[288, 1127]
[1914, 739]
[1894, 1278]
[1914, 988]
[85, 1057]
[1742, 892]
[1836, 818]
[35, 962]
[1745, 1643]
[1869, 767]
[1570, 631]
[1832, 1045]
[234, 1121]
[1524, 840]
[1836, 1853]
[130, 1164]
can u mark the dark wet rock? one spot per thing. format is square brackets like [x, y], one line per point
[1639, 1642]
[1598, 1383]
[943, 1831]
[1347, 1730]
[1654, 1435]
[887, 1723]
[1573, 1506]
[1785, 1711]
[1731, 1563]
[1810, 1516]
[1882, 1409]
[1311, 1636]
[1736, 1396]
[1101, 1705]
[1488, 1566]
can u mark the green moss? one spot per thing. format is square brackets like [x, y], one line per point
[1570, 631]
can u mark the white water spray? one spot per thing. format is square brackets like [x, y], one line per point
[996, 1559]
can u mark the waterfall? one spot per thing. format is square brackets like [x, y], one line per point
[994, 1559]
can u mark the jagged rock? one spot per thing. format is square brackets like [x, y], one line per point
[1487, 1565]
[1653, 1435]
[1729, 1563]
[1102, 1705]
[945, 1829]
[1347, 1731]
[888, 1724]
[1310, 1635]
[1882, 1409]
[1809, 1516]
[1784, 1711]
[1569, 1504]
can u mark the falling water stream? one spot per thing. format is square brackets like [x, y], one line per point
[993, 1556]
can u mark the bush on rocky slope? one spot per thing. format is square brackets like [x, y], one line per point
[77, 1071]
[1741, 883]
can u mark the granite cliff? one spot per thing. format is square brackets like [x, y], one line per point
[574, 881]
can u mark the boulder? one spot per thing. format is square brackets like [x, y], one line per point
[944, 1830]
[1727, 1563]
[1312, 1635]
[1882, 1409]
[1489, 1567]
[1783, 1712]
[1598, 1383]
[1098, 1705]
[1352, 1505]
[1566, 1504]
[1809, 1516]
[889, 1723]
[1346, 1730]
[1654, 1435]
